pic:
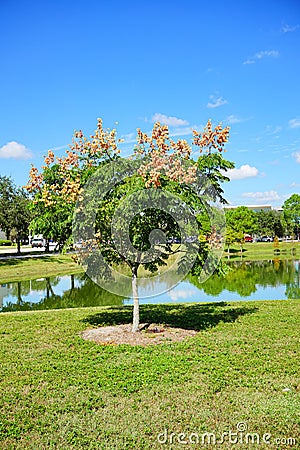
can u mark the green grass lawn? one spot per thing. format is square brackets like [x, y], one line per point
[18, 269]
[8, 247]
[264, 250]
[61, 392]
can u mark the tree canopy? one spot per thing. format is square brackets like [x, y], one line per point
[291, 209]
[134, 208]
[271, 223]
[15, 216]
[55, 189]
[241, 220]
[7, 194]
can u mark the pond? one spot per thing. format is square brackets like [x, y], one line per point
[255, 280]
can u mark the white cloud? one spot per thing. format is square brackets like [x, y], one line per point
[216, 102]
[294, 184]
[289, 29]
[169, 120]
[262, 54]
[296, 155]
[294, 123]
[128, 138]
[53, 149]
[267, 54]
[271, 130]
[233, 119]
[245, 171]
[181, 293]
[267, 196]
[185, 131]
[15, 150]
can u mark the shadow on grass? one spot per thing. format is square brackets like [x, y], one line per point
[233, 251]
[190, 317]
[10, 260]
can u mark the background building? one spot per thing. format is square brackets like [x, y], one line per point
[255, 208]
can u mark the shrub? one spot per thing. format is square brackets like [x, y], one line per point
[5, 242]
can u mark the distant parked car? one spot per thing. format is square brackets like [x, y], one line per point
[37, 243]
[53, 246]
[266, 239]
[248, 239]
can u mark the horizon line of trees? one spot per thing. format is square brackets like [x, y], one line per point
[243, 221]
[16, 217]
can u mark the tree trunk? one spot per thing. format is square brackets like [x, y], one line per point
[49, 287]
[19, 287]
[136, 307]
[19, 245]
[47, 246]
[72, 282]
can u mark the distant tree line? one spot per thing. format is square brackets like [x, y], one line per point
[15, 216]
[242, 221]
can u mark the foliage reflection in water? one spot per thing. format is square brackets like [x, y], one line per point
[68, 291]
[255, 280]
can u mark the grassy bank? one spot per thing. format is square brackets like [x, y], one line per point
[264, 250]
[14, 269]
[61, 392]
[18, 269]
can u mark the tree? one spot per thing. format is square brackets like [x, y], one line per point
[22, 216]
[15, 216]
[7, 193]
[241, 219]
[161, 175]
[291, 210]
[270, 223]
[232, 236]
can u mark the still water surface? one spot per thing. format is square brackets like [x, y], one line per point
[255, 280]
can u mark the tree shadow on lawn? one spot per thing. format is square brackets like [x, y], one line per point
[190, 317]
[13, 261]
[235, 251]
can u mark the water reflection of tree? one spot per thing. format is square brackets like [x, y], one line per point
[86, 294]
[293, 288]
[246, 276]
[27, 286]
[242, 279]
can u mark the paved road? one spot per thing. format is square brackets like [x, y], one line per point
[11, 252]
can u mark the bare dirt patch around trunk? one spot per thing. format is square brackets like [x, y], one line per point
[149, 334]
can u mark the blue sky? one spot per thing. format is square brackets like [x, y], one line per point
[65, 63]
